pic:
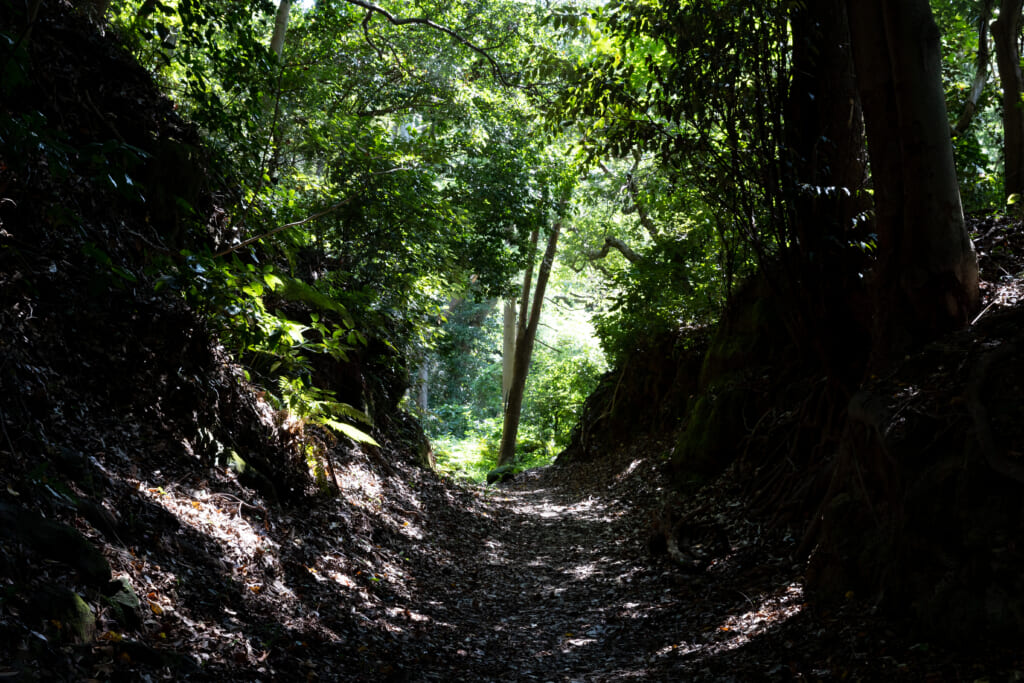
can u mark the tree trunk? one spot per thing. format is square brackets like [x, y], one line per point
[423, 387]
[508, 349]
[825, 174]
[525, 335]
[280, 28]
[1005, 34]
[825, 129]
[927, 277]
[980, 72]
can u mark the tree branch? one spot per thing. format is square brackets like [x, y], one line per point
[307, 219]
[319, 214]
[618, 245]
[372, 8]
[631, 192]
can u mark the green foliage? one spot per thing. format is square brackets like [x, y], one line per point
[977, 150]
[386, 179]
[464, 421]
[317, 406]
[380, 170]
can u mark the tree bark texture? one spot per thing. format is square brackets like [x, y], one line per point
[280, 28]
[825, 176]
[1005, 34]
[825, 128]
[926, 280]
[525, 336]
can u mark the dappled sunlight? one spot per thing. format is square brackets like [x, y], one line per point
[245, 546]
[767, 611]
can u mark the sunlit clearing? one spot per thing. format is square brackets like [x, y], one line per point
[462, 458]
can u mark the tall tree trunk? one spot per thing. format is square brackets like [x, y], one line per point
[508, 349]
[422, 387]
[1005, 34]
[280, 28]
[927, 276]
[826, 173]
[526, 333]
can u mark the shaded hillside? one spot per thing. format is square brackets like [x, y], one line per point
[114, 396]
[905, 488]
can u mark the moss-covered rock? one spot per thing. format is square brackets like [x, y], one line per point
[501, 474]
[711, 440]
[121, 599]
[66, 612]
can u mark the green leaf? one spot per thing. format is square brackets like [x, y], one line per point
[348, 430]
[274, 282]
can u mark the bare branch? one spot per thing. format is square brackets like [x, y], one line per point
[372, 8]
[618, 245]
[633, 194]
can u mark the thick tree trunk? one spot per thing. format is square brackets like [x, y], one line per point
[1005, 34]
[927, 276]
[525, 335]
[825, 175]
[825, 130]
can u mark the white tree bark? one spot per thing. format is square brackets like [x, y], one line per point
[280, 28]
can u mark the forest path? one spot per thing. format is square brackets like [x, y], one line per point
[550, 579]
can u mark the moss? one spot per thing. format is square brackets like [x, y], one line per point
[67, 612]
[712, 438]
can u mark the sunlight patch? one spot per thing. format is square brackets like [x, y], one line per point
[778, 607]
[739, 629]
[629, 470]
[584, 571]
[360, 480]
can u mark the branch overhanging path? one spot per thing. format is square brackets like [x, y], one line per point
[373, 9]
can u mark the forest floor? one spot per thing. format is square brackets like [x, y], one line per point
[405, 577]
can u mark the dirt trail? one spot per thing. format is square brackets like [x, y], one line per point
[553, 584]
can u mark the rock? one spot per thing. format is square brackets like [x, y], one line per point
[102, 519]
[123, 602]
[67, 611]
[249, 475]
[501, 474]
